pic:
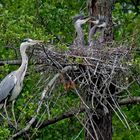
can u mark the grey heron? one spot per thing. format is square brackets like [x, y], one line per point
[99, 26]
[11, 85]
[79, 20]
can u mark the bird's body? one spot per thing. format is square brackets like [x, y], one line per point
[92, 32]
[78, 22]
[11, 85]
[99, 26]
[79, 40]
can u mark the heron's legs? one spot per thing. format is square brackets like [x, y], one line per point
[1, 106]
[7, 116]
[13, 112]
[2, 116]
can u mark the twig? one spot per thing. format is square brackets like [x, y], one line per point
[10, 62]
[130, 100]
[82, 109]
[62, 117]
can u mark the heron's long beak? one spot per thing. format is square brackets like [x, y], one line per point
[95, 22]
[87, 19]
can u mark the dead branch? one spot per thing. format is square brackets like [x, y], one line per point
[130, 100]
[10, 62]
[66, 115]
[69, 114]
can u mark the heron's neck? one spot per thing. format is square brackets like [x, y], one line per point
[80, 35]
[91, 33]
[23, 68]
[79, 31]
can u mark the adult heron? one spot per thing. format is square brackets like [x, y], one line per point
[11, 85]
[79, 20]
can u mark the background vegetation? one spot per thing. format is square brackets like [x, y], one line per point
[51, 20]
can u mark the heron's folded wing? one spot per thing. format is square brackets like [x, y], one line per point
[7, 85]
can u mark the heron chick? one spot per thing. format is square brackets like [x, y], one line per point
[99, 26]
[11, 85]
[79, 20]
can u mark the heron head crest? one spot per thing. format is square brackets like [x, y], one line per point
[80, 19]
[76, 17]
[26, 40]
[30, 42]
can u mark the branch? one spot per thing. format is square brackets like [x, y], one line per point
[130, 100]
[62, 117]
[33, 121]
[43, 95]
[14, 62]
[10, 62]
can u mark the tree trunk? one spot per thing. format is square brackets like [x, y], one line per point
[102, 126]
[103, 8]
[99, 124]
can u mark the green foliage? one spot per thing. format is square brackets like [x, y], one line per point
[127, 25]
[64, 130]
[127, 29]
[51, 20]
[122, 133]
[4, 133]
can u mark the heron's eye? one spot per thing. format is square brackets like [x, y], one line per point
[76, 17]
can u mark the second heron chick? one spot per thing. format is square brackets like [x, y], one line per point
[79, 20]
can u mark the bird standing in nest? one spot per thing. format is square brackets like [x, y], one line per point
[99, 26]
[79, 20]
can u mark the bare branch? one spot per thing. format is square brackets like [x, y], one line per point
[130, 100]
[32, 122]
[10, 62]
[62, 117]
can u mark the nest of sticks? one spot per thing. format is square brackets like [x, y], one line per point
[108, 65]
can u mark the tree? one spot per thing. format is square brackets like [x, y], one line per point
[66, 94]
[103, 121]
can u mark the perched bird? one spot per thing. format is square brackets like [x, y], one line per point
[79, 20]
[99, 26]
[11, 85]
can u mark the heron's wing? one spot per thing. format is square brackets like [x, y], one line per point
[7, 85]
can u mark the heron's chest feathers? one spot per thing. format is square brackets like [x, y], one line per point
[16, 91]
[20, 73]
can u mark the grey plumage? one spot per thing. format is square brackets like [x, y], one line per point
[11, 85]
[79, 20]
[99, 26]
[7, 87]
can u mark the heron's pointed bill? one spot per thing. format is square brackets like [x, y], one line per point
[95, 22]
[86, 19]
